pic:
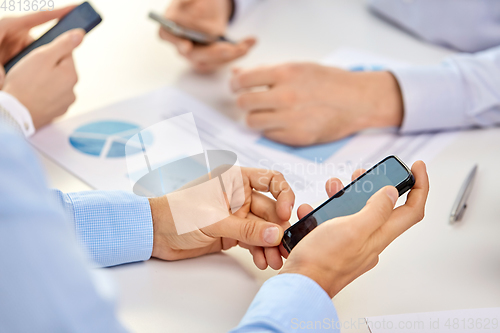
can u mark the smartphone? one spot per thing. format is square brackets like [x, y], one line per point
[196, 37]
[352, 198]
[83, 17]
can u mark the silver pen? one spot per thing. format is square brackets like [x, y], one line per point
[461, 202]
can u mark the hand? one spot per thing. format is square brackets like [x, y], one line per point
[308, 104]
[258, 225]
[208, 16]
[43, 81]
[14, 33]
[340, 250]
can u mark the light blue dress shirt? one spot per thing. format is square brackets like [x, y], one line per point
[45, 281]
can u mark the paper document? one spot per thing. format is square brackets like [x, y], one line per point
[92, 145]
[457, 321]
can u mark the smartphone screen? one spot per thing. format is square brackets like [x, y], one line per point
[352, 198]
[82, 17]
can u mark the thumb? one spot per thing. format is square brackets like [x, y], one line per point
[252, 232]
[378, 209]
[64, 45]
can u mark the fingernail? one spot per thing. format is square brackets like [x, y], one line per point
[271, 235]
[393, 194]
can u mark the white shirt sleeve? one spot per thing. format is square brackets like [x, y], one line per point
[462, 25]
[18, 112]
[241, 8]
[462, 92]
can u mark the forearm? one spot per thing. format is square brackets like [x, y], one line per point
[114, 227]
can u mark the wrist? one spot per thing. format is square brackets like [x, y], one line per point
[160, 213]
[322, 277]
[385, 100]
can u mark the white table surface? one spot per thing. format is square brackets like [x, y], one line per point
[433, 267]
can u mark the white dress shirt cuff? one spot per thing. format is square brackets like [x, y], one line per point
[241, 8]
[18, 112]
[434, 98]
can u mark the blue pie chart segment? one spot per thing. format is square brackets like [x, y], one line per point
[107, 139]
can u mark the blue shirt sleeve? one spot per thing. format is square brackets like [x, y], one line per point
[290, 303]
[46, 285]
[114, 227]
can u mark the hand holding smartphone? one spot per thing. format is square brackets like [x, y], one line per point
[177, 30]
[391, 171]
[82, 17]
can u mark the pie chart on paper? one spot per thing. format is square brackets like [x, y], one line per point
[107, 139]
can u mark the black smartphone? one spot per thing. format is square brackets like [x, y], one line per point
[391, 171]
[83, 17]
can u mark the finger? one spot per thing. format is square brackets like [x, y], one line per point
[284, 253]
[266, 120]
[252, 232]
[357, 173]
[275, 183]
[262, 76]
[63, 45]
[333, 186]
[412, 211]
[264, 207]
[32, 20]
[377, 211]
[273, 257]
[259, 258]
[228, 243]
[303, 210]
[183, 46]
[259, 100]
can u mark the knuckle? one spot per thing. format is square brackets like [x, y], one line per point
[286, 71]
[277, 174]
[248, 229]
[243, 101]
[419, 215]
[374, 262]
[288, 97]
[251, 121]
